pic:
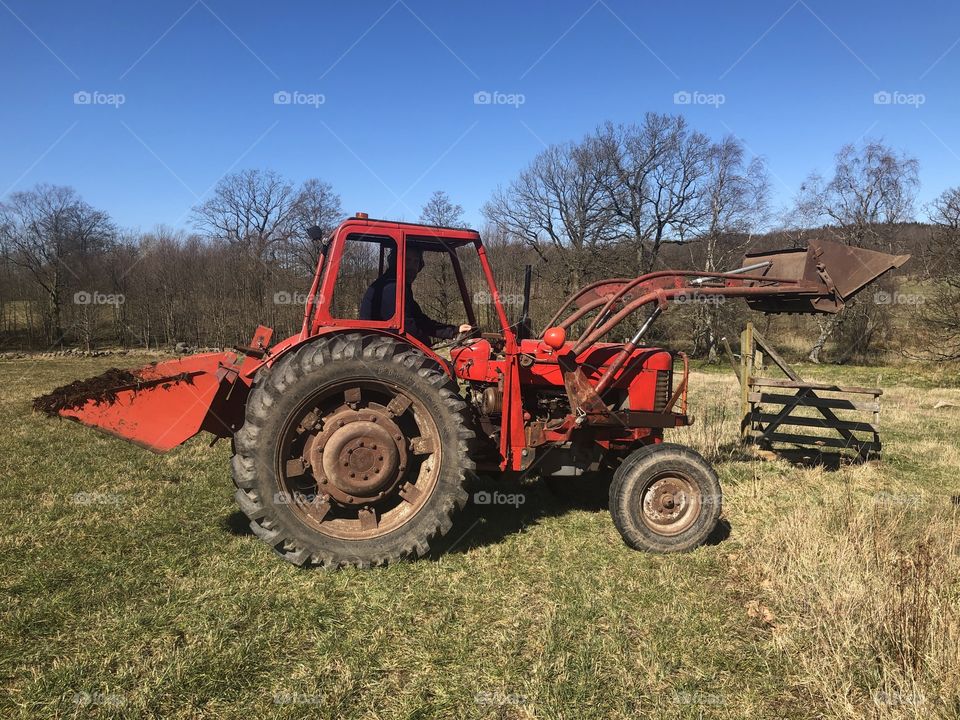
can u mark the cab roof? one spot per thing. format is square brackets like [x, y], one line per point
[417, 232]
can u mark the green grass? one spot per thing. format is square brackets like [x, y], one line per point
[145, 596]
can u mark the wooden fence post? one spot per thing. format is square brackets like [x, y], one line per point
[746, 375]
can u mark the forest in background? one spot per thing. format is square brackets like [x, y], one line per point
[624, 200]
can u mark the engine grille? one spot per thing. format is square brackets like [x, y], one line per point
[664, 387]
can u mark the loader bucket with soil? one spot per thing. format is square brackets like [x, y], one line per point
[159, 406]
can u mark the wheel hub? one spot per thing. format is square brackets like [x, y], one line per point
[359, 456]
[670, 505]
[362, 456]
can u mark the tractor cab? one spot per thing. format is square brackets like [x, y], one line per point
[367, 272]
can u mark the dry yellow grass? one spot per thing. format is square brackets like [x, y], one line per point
[853, 574]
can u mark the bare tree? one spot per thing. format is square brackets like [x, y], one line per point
[872, 189]
[259, 213]
[559, 203]
[945, 216]
[735, 196]
[942, 316]
[442, 297]
[252, 208]
[316, 204]
[50, 231]
[441, 210]
[653, 180]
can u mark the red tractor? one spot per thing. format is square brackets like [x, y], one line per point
[353, 440]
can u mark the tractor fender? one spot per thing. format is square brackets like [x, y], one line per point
[292, 343]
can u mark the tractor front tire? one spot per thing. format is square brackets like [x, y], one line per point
[665, 498]
[353, 452]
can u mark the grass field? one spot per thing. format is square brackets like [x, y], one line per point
[132, 588]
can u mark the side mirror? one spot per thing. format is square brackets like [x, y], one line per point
[315, 233]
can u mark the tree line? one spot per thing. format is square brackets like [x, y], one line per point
[621, 201]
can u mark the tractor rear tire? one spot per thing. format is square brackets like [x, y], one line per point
[665, 498]
[354, 452]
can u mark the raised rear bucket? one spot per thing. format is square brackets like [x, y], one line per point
[839, 271]
[159, 406]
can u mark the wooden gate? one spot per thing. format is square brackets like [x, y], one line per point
[772, 408]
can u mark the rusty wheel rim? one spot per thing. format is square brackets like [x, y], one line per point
[670, 504]
[358, 459]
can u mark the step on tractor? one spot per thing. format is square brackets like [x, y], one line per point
[354, 440]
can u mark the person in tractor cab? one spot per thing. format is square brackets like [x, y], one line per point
[379, 301]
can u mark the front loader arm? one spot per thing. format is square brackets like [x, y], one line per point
[818, 279]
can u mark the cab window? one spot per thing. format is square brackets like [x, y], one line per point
[363, 266]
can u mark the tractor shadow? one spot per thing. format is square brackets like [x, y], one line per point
[498, 508]
[237, 524]
[720, 533]
[495, 510]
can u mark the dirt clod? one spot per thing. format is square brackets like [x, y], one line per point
[102, 388]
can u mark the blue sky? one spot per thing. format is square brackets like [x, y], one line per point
[397, 82]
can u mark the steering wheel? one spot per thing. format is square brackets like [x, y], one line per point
[457, 339]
